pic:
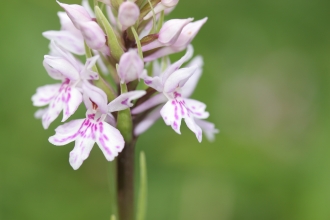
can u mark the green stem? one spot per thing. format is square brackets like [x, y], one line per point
[125, 181]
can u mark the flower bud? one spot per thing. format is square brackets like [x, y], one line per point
[94, 36]
[171, 30]
[76, 13]
[128, 14]
[130, 66]
[188, 34]
[168, 34]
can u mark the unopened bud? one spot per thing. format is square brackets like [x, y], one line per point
[130, 66]
[188, 34]
[93, 35]
[168, 34]
[76, 13]
[128, 14]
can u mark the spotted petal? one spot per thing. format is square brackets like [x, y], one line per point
[110, 140]
[66, 133]
[68, 98]
[45, 94]
[172, 112]
[196, 108]
[71, 99]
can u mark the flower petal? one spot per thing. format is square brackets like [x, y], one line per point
[124, 101]
[80, 152]
[188, 33]
[67, 40]
[60, 65]
[40, 112]
[56, 50]
[161, 52]
[96, 95]
[172, 112]
[208, 128]
[153, 101]
[45, 94]
[93, 35]
[66, 133]
[171, 30]
[194, 128]
[196, 108]
[76, 13]
[154, 82]
[178, 79]
[147, 122]
[110, 140]
[71, 99]
[191, 84]
[87, 72]
[175, 66]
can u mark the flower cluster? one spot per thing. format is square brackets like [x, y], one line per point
[126, 46]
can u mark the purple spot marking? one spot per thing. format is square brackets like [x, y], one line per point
[176, 116]
[101, 127]
[105, 137]
[124, 102]
[104, 146]
[176, 94]
[175, 125]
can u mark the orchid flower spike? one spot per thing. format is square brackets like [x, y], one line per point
[118, 49]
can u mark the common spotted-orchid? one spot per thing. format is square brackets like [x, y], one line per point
[121, 41]
[81, 24]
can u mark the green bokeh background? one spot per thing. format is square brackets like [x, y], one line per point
[266, 83]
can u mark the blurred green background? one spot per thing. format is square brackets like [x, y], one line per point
[266, 82]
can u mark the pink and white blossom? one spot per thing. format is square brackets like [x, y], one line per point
[170, 83]
[195, 106]
[94, 128]
[66, 96]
